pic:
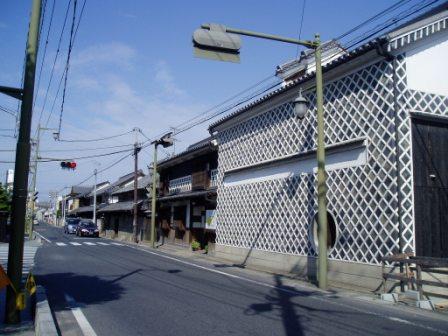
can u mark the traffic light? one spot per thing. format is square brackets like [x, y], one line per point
[68, 165]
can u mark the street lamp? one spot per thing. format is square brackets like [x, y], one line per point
[218, 42]
[166, 141]
[300, 105]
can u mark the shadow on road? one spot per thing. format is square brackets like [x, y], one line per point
[84, 289]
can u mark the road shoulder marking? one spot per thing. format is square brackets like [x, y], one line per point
[61, 244]
[46, 239]
[260, 283]
[83, 323]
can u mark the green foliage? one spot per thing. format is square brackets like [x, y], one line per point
[195, 245]
[206, 248]
[5, 199]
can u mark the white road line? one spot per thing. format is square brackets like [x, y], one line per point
[83, 323]
[89, 243]
[76, 244]
[347, 306]
[61, 244]
[101, 243]
[46, 239]
[118, 244]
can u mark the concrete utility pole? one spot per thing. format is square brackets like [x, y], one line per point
[20, 191]
[153, 197]
[95, 173]
[166, 141]
[135, 221]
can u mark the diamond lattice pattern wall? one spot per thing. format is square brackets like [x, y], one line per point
[276, 215]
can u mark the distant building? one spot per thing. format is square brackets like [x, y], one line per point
[9, 181]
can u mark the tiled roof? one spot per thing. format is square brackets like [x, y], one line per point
[330, 65]
[142, 183]
[119, 206]
[422, 19]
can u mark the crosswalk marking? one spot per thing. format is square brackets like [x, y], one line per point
[84, 243]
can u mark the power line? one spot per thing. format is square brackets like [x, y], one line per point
[97, 139]
[67, 64]
[301, 25]
[372, 32]
[54, 61]
[43, 159]
[45, 50]
[8, 111]
[106, 168]
[64, 73]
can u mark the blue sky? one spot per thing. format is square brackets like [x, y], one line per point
[133, 65]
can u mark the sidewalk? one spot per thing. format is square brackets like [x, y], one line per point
[26, 327]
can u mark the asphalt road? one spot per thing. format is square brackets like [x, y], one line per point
[106, 289]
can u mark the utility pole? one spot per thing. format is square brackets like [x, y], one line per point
[95, 173]
[135, 221]
[166, 141]
[33, 183]
[153, 198]
[20, 191]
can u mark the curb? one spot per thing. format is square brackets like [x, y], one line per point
[44, 323]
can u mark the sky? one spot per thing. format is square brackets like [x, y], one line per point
[132, 65]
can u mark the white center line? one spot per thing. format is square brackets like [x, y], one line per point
[61, 244]
[117, 244]
[89, 243]
[76, 244]
[83, 323]
[101, 243]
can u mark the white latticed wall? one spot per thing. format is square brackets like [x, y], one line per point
[276, 215]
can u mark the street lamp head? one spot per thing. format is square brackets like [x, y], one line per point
[300, 105]
[56, 135]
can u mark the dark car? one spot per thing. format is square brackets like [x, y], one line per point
[87, 229]
[71, 224]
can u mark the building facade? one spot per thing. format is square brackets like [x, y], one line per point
[187, 195]
[386, 112]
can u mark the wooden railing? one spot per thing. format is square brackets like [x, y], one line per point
[200, 180]
[413, 266]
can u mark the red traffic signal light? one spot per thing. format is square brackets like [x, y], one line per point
[68, 165]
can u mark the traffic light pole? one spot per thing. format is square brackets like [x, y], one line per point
[20, 188]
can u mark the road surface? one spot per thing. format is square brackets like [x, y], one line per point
[101, 287]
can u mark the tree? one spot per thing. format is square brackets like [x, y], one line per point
[5, 199]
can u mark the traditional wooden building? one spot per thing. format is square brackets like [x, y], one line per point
[117, 213]
[187, 195]
[386, 136]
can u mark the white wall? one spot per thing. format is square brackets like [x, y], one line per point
[342, 158]
[426, 66]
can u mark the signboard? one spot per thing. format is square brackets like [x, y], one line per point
[210, 219]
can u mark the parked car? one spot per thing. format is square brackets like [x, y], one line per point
[71, 224]
[87, 229]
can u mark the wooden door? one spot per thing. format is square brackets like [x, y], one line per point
[430, 160]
